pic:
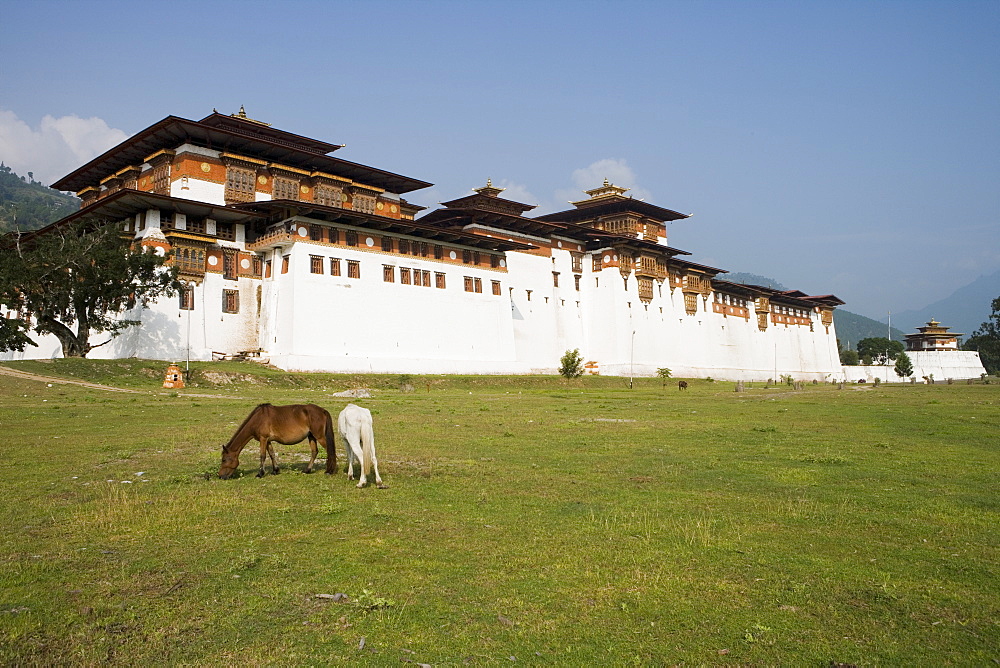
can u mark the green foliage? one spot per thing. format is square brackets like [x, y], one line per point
[743, 522]
[663, 373]
[879, 350]
[571, 364]
[849, 357]
[904, 366]
[76, 280]
[986, 340]
[27, 205]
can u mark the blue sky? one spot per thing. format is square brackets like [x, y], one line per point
[839, 147]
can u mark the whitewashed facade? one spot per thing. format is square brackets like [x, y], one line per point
[319, 264]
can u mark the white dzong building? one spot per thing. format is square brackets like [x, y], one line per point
[319, 264]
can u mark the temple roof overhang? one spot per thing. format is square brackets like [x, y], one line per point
[274, 210]
[462, 217]
[233, 135]
[126, 203]
[611, 207]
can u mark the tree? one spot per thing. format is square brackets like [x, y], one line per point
[664, 373]
[849, 357]
[76, 281]
[904, 366]
[986, 340]
[571, 364]
[879, 349]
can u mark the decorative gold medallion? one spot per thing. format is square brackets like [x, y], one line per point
[143, 183]
[380, 206]
[343, 197]
[304, 189]
[394, 208]
[205, 167]
[262, 180]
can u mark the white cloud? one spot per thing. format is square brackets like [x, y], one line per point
[57, 147]
[615, 170]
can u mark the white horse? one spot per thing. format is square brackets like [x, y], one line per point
[355, 426]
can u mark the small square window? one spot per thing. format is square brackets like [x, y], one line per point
[335, 266]
[353, 269]
[230, 301]
[315, 264]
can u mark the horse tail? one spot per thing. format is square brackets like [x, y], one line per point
[331, 444]
[367, 443]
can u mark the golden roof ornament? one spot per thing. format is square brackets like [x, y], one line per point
[606, 191]
[488, 189]
[242, 115]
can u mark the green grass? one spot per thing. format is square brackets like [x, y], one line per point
[557, 522]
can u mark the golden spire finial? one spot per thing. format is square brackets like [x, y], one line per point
[489, 190]
[606, 183]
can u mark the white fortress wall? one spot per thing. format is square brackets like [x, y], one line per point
[942, 364]
[367, 324]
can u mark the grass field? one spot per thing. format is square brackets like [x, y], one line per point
[528, 520]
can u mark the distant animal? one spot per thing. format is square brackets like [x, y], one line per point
[682, 385]
[281, 424]
[355, 427]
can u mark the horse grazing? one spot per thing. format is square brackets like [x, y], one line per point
[355, 426]
[682, 385]
[286, 425]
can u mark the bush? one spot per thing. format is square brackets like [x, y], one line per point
[571, 364]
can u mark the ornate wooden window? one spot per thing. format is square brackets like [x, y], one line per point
[404, 246]
[267, 269]
[351, 238]
[438, 252]
[475, 258]
[494, 261]
[479, 285]
[576, 281]
[469, 284]
[187, 298]
[229, 263]
[327, 195]
[241, 184]
[166, 220]
[439, 280]
[690, 303]
[577, 262]
[496, 288]
[315, 264]
[555, 279]
[335, 266]
[388, 273]
[189, 259]
[256, 265]
[225, 231]
[645, 289]
[404, 275]
[284, 264]
[196, 225]
[598, 261]
[387, 244]
[423, 249]
[426, 275]
[363, 203]
[353, 269]
[467, 256]
[161, 178]
[230, 301]
[315, 233]
[285, 188]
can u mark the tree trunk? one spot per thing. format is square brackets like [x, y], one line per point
[73, 344]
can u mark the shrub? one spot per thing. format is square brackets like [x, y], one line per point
[571, 364]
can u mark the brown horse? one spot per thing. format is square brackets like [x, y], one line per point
[286, 425]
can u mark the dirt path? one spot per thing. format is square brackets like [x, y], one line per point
[7, 371]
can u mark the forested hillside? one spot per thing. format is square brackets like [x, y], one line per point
[29, 205]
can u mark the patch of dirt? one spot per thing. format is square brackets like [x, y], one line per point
[227, 378]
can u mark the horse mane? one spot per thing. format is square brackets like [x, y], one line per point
[236, 433]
